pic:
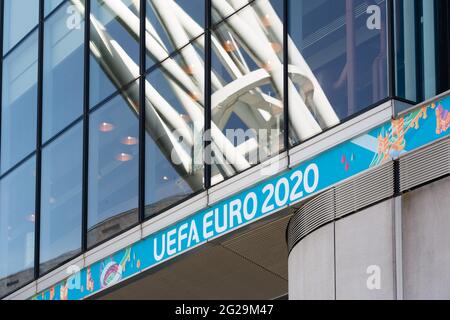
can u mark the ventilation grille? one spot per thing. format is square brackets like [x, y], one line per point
[424, 165]
[349, 197]
[314, 214]
[364, 190]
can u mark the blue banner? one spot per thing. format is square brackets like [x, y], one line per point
[414, 130]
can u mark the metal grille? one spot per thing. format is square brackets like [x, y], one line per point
[314, 214]
[424, 165]
[347, 198]
[364, 190]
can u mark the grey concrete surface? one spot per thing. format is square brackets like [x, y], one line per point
[426, 242]
[364, 251]
[311, 266]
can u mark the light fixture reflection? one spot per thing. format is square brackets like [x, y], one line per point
[276, 46]
[124, 157]
[106, 127]
[229, 46]
[268, 66]
[130, 141]
[266, 20]
[189, 69]
[195, 96]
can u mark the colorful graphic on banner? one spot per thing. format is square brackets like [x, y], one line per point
[374, 148]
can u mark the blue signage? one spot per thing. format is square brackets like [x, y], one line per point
[379, 145]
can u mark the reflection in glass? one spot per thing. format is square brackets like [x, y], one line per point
[113, 166]
[170, 25]
[421, 61]
[50, 5]
[174, 126]
[247, 85]
[19, 103]
[61, 198]
[17, 219]
[222, 9]
[114, 46]
[63, 72]
[337, 62]
[20, 17]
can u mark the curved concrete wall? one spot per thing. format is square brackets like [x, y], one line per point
[397, 249]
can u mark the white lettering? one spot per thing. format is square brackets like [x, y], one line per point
[171, 241]
[235, 212]
[250, 215]
[158, 257]
[182, 235]
[193, 234]
[207, 223]
[224, 226]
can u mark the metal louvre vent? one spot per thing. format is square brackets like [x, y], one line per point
[425, 165]
[364, 190]
[314, 214]
[349, 197]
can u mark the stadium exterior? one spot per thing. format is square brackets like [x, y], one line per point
[225, 149]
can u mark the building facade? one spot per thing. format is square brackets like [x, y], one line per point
[225, 149]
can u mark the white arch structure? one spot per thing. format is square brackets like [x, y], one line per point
[251, 30]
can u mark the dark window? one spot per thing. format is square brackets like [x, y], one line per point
[422, 48]
[337, 62]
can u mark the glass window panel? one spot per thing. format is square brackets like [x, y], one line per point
[421, 61]
[113, 166]
[174, 127]
[337, 62]
[20, 17]
[61, 198]
[50, 5]
[114, 46]
[247, 85]
[63, 71]
[19, 103]
[171, 25]
[222, 9]
[17, 219]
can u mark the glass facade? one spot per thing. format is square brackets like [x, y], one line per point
[113, 165]
[114, 36]
[165, 34]
[174, 161]
[63, 71]
[17, 227]
[421, 48]
[19, 103]
[17, 21]
[61, 198]
[247, 87]
[337, 62]
[109, 122]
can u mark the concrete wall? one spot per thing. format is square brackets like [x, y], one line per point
[426, 242]
[344, 259]
[311, 266]
[364, 242]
